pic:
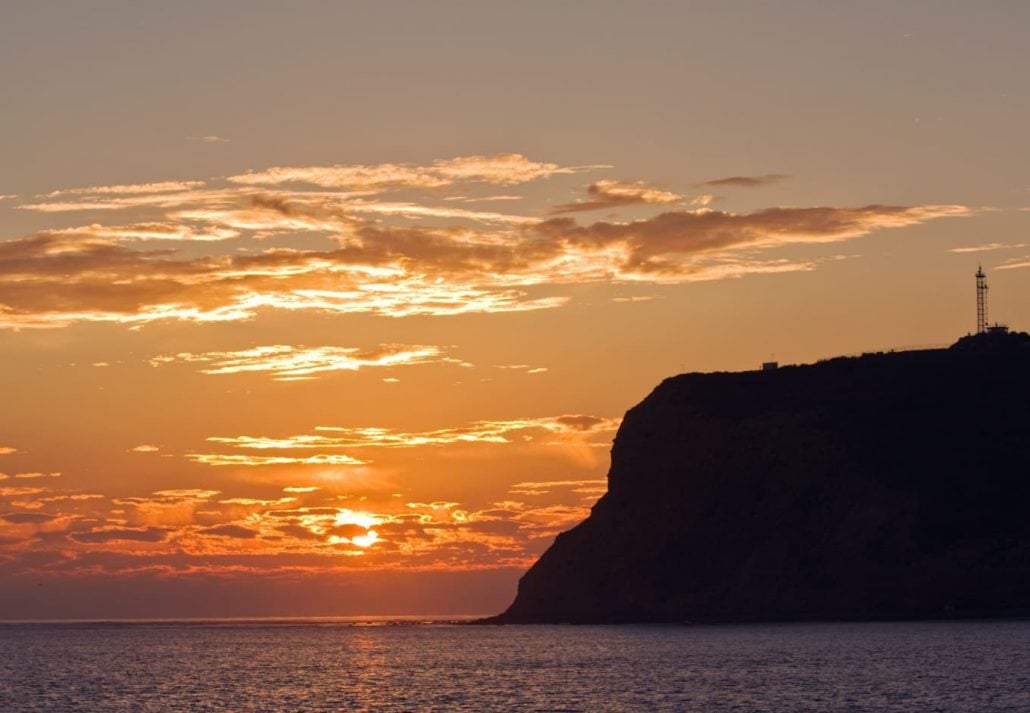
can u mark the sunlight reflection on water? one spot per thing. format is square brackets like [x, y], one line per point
[332, 666]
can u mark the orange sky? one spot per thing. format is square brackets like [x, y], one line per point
[282, 348]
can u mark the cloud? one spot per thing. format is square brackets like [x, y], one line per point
[986, 247]
[19, 491]
[193, 494]
[257, 501]
[74, 497]
[165, 508]
[595, 486]
[569, 427]
[234, 531]
[120, 534]
[51, 280]
[479, 199]
[27, 518]
[499, 169]
[288, 363]
[145, 448]
[1014, 264]
[285, 538]
[746, 181]
[148, 231]
[352, 255]
[635, 298]
[347, 532]
[127, 189]
[414, 210]
[34, 475]
[584, 424]
[661, 248]
[214, 139]
[615, 194]
[522, 367]
[111, 198]
[249, 461]
[7, 450]
[503, 169]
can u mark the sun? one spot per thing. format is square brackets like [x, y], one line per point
[360, 519]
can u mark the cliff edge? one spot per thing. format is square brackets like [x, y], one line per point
[892, 485]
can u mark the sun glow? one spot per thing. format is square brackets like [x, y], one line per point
[348, 519]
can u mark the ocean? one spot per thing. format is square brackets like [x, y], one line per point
[328, 665]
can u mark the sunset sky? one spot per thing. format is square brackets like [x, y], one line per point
[334, 308]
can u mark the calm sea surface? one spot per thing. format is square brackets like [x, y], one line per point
[320, 666]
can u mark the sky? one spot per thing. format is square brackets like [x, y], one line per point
[323, 308]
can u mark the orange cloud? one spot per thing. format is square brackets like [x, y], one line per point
[22, 518]
[666, 243]
[128, 189]
[498, 169]
[450, 261]
[596, 486]
[17, 491]
[615, 194]
[241, 460]
[233, 531]
[148, 231]
[167, 532]
[287, 363]
[568, 427]
[120, 534]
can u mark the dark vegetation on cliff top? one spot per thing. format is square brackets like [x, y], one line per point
[893, 485]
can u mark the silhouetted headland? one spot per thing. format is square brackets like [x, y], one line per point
[887, 486]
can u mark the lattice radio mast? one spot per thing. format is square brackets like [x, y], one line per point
[981, 300]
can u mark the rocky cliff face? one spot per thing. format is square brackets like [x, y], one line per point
[892, 485]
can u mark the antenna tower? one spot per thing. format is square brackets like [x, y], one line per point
[981, 300]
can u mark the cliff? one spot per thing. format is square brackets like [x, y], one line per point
[893, 485]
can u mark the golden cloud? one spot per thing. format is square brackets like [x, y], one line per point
[234, 531]
[241, 460]
[567, 427]
[288, 363]
[450, 261]
[128, 189]
[615, 194]
[500, 169]
[121, 534]
[148, 231]
[592, 486]
[277, 535]
[18, 491]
